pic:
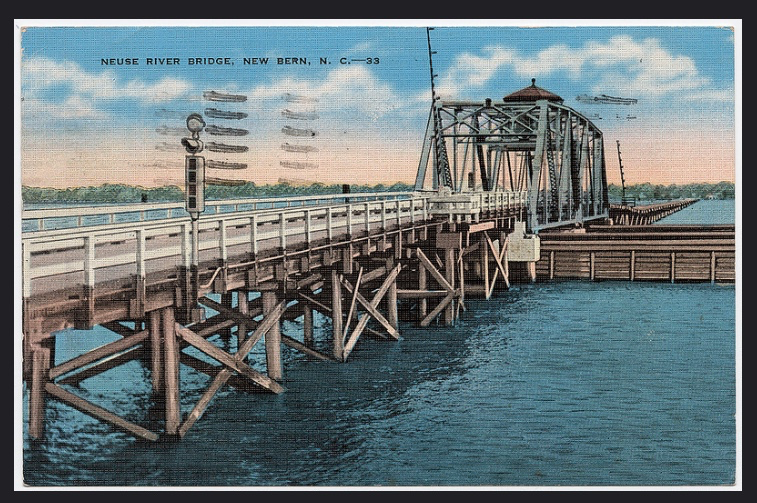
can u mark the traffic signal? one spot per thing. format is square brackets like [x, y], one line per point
[195, 179]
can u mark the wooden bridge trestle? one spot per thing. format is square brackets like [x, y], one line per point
[621, 214]
[364, 282]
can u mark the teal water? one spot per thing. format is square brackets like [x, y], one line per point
[562, 383]
[705, 211]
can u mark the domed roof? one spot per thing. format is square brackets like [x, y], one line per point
[532, 93]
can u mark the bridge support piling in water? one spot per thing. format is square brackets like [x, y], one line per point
[307, 324]
[269, 294]
[171, 381]
[337, 320]
[41, 362]
[156, 352]
[243, 306]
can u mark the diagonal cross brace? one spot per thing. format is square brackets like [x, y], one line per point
[352, 304]
[373, 311]
[498, 259]
[235, 362]
[363, 321]
[438, 309]
[433, 270]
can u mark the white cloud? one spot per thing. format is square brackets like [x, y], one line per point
[76, 107]
[621, 64]
[470, 71]
[39, 74]
[717, 95]
[346, 88]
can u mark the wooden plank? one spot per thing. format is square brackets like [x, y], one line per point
[215, 328]
[498, 260]
[295, 344]
[230, 313]
[222, 357]
[372, 310]
[350, 344]
[98, 412]
[374, 274]
[99, 353]
[482, 226]
[327, 311]
[420, 294]
[438, 309]
[103, 366]
[208, 369]
[433, 271]
[354, 299]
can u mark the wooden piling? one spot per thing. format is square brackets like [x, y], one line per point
[336, 316]
[307, 324]
[171, 365]
[226, 301]
[37, 394]
[243, 305]
[633, 265]
[449, 273]
[391, 299]
[712, 267]
[484, 252]
[551, 265]
[422, 285]
[156, 353]
[272, 337]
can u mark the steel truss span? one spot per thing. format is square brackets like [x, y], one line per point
[543, 147]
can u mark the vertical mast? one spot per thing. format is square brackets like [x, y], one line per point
[440, 149]
[622, 176]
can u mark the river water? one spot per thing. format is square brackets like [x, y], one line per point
[572, 383]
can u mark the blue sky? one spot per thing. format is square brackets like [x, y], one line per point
[370, 118]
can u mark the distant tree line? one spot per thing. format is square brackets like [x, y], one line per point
[118, 193]
[649, 192]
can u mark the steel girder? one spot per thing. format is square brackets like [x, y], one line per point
[544, 147]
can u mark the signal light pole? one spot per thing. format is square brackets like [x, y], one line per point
[194, 195]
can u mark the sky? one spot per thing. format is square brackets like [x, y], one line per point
[365, 93]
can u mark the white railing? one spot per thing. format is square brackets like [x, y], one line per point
[36, 220]
[66, 251]
[469, 205]
[94, 253]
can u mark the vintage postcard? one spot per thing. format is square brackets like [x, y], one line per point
[378, 255]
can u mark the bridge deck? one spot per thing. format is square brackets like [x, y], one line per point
[93, 274]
